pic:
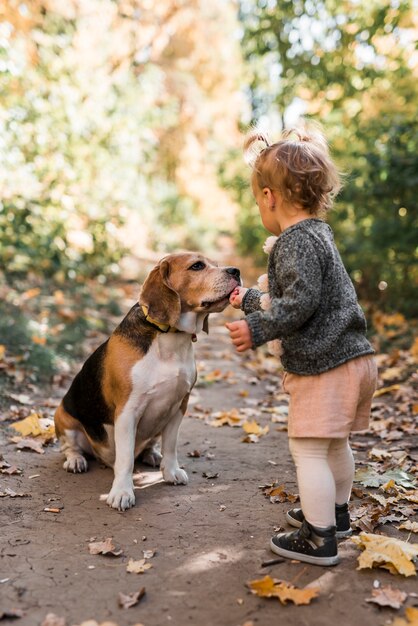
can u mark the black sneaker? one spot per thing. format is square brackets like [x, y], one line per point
[295, 518]
[309, 544]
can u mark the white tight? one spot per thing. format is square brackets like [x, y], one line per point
[325, 473]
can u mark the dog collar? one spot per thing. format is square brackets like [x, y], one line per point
[164, 328]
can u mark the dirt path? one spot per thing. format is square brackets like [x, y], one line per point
[210, 536]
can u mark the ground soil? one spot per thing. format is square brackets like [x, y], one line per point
[210, 536]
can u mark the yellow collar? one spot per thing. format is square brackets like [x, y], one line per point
[165, 328]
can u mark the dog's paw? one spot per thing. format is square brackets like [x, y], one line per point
[152, 457]
[77, 464]
[121, 498]
[175, 475]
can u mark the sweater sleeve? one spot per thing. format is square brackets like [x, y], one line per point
[251, 301]
[295, 294]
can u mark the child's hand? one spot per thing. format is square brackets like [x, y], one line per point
[240, 335]
[237, 296]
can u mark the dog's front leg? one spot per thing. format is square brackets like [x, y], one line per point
[122, 495]
[172, 472]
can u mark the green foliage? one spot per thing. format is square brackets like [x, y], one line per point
[353, 67]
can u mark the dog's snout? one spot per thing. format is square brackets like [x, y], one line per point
[234, 271]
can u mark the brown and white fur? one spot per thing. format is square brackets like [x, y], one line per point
[135, 386]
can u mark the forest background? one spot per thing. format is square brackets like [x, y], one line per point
[121, 130]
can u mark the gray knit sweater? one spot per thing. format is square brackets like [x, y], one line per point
[314, 308]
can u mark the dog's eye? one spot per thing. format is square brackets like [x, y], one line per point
[199, 265]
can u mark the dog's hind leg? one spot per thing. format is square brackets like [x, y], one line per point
[73, 442]
[151, 455]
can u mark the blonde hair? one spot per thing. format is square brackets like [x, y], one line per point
[298, 166]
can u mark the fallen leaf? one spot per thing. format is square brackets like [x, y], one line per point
[411, 618]
[196, 454]
[138, 567]
[228, 418]
[28, 426]
[13, 494]
[131, 599]
[383, 390]
[104, 547]
[388, 596]
[268, 587]
[252, 428]
[148, 554]
[251, 438]
[412, 526]
[28, 444]
[210, 474]
[277, 493]
[369, 477]
[387, 552]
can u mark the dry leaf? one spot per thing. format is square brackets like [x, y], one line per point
[251, 438]
[13, 494]
[412, 526]
[277, 493]
[28, 444]
[411, 618]
[387, 552]
[104, 547]
[148, 554]
[138, 567]
[388, 596]
[227, 418]
[210, 474]
[131, 599]
[252, 428]
[268, 587]
[383, 390]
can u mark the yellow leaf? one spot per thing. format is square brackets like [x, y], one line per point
[2, 352]
[35, 426]
[383, 390]
[411, 618]
[29, 426]
[386, 552]
[252, 428]
[268, 587]
[227, 418]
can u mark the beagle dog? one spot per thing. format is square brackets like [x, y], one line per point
[135, 386]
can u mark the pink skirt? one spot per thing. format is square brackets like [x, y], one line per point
[334, 403]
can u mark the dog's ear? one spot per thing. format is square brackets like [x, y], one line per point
[162, 301]
[205, 326]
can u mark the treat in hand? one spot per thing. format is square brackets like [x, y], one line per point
[237, 296]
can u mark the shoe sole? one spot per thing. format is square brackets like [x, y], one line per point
[325, 561]
[340, 534]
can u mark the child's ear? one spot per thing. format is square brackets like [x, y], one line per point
[270, 197]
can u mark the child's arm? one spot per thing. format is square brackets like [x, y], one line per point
[246, 299]
[299, 274]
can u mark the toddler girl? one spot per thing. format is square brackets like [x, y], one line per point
[330, 374]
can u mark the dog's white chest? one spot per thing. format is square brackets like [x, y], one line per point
[161, 380]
